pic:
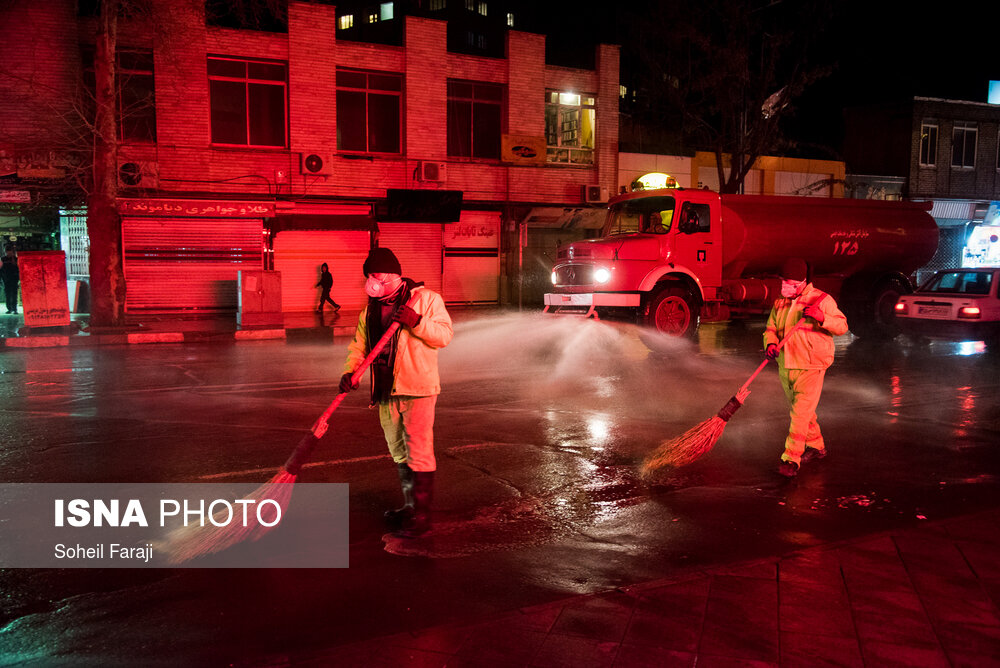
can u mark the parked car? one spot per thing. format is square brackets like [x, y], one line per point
[956, 304]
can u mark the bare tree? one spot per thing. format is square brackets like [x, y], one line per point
[727, 71]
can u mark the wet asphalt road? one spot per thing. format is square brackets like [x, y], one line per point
[540, 429]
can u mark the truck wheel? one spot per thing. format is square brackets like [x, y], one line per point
[875, 317]
[672, 311]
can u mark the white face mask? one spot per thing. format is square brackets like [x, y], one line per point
[791, 289]
[380, 286]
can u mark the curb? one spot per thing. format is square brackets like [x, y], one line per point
[43, 341]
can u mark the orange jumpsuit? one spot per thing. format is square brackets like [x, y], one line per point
[802, 363]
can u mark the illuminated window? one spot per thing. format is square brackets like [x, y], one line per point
[963, 144]
[622, 92]
[248, 99]
[372, 18]
[470, 5]
[570, 120]
[475, 116]
[385, 10]
[435, 5]
[346, 21]
[510, 20]
[928, 144]
[136, 94]
[481, 8]
[369, 108]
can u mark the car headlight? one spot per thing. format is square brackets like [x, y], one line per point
[602, 275]
[553, 278]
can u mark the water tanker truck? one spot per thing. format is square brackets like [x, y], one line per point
[670, 258]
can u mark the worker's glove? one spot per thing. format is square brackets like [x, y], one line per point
[407, 317]
[347, 383]
[771, 352]
[815, 312]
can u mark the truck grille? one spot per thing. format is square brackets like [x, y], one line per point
[575, 274]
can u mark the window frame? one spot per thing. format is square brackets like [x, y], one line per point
[368, 91]
[123, 77]
[247, 81]
[964, 127]
[928, 148]
[553, 151]
[473, 101]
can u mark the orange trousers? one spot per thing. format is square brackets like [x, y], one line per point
[802, 389]
[408, 424]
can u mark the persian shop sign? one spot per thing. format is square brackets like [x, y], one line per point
[522, 150]
[180, 207]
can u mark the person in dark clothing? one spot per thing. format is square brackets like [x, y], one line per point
[10, 276]
[326, 283]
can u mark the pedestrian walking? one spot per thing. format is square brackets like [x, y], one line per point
[404, 379]
[326, 285]
[10, 276]
[804, 359]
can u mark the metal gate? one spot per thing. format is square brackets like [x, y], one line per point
[472, 259]
[298, 255]
[180, 264]
[418, 247]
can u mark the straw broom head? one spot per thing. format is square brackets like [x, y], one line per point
[195, 540]
[686, 448]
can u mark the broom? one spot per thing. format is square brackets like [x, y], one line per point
[697, 441]
[188, 542]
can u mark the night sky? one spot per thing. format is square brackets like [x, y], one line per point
[881, 50]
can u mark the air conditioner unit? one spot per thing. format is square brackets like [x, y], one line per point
[432, 171]
[315, 163]
[138, 174]
[595, 194]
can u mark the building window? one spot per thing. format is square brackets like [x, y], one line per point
[136, 94]
[510, 20]
[481, 8]
[963, 144]
[470, 5]
[369, 111]
[248, 99]
[372, 17]
[475, 115]
[385, 11]
[928, 144]
[346, 21]
[570, 127]
[436, 5]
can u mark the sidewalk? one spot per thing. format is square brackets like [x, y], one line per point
[171, 328]
[926, 596]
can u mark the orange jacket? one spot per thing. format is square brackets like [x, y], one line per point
[811, 345]
[415, 373]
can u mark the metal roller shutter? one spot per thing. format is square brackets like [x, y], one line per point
[298, 255]
[174, 264]
[418, 247]
[472, 259]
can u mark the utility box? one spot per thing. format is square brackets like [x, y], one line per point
[259, 295]
[43, 288]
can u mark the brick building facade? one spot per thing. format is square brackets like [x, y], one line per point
[280, 150]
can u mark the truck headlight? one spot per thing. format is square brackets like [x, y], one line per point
[602, 275]
[553, 278]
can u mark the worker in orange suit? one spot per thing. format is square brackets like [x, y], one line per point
[803, 360]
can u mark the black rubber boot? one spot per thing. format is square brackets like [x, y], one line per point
[423, 493]
[396, 518]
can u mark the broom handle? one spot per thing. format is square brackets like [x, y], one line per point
[319, 428]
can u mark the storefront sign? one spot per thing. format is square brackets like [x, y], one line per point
[522, 149]
[18, 196]
[180, 207]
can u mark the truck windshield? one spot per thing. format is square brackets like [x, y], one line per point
[650, 215]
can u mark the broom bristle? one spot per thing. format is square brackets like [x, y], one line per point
[192, 541]
[686, 448]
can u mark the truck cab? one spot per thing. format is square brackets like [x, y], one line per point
[659, 257]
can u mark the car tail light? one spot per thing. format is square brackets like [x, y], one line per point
[901, 308]
[969, 312]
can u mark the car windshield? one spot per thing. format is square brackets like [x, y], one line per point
[960, 282]
[651, 215]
